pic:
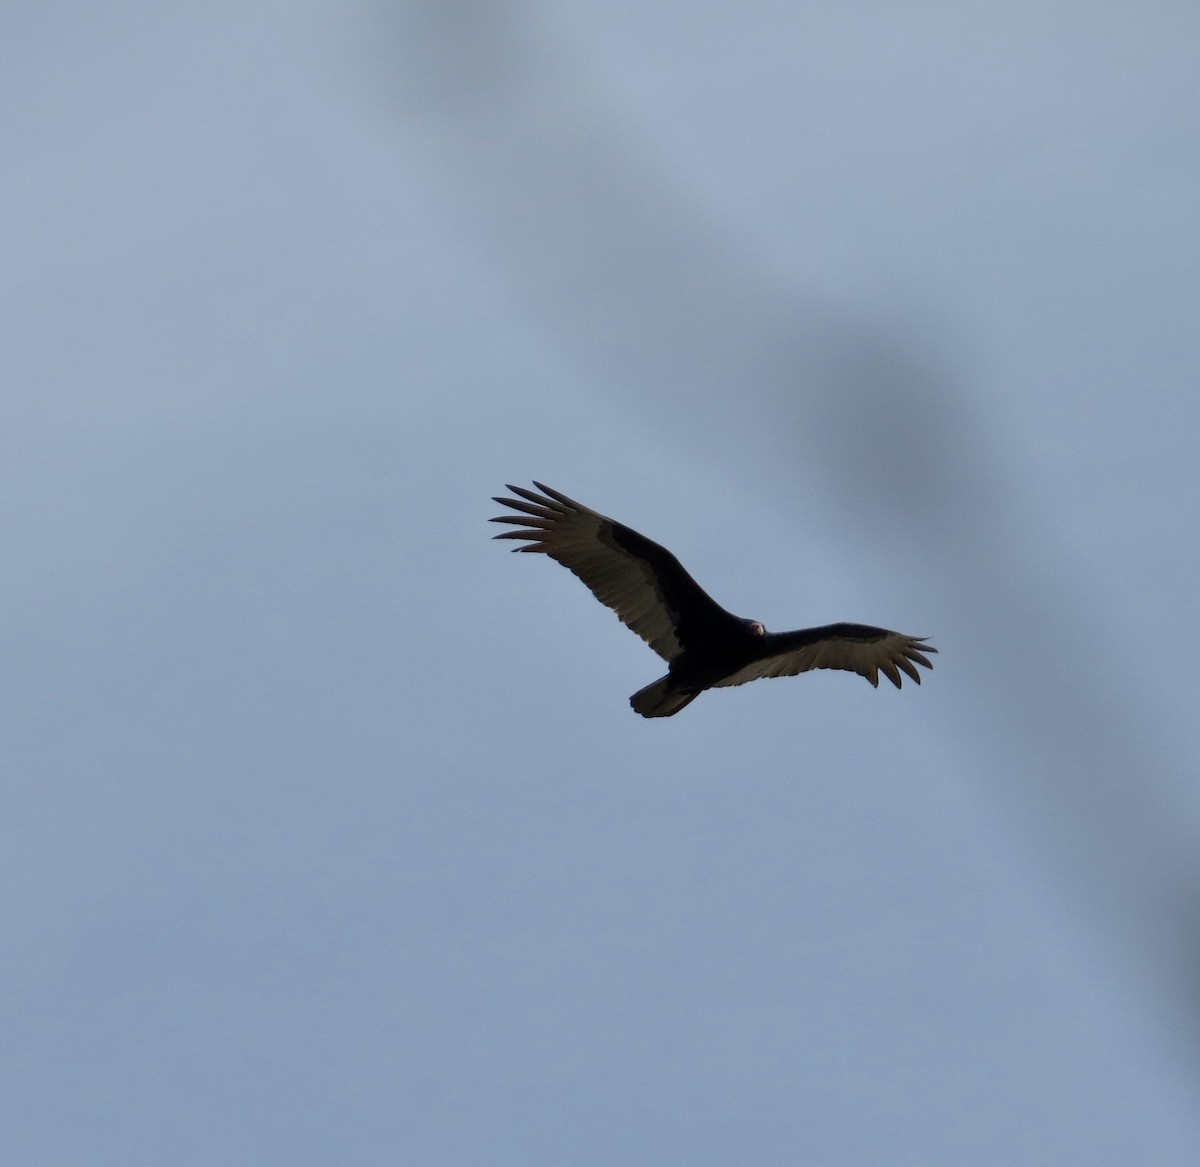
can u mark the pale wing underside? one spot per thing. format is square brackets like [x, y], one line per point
[586, 543]
[869, 653]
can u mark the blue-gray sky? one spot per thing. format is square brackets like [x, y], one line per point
[329, 835]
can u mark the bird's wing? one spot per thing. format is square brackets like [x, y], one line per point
[856, 648]
[642, 582]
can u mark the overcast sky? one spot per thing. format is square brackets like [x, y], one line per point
[329, 835]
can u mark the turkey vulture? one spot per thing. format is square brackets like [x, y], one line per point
[705, 646]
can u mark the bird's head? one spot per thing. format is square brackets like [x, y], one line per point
[757, 628]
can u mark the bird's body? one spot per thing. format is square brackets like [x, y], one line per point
[705, 646]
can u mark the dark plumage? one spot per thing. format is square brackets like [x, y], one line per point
[705, 646]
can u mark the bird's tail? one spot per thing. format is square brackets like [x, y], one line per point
[660, 700]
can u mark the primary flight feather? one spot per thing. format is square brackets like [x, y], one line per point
[705, 646]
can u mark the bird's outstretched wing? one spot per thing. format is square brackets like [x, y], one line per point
[641, 581]
[856, 648]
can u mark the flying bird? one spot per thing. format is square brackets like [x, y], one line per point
[704, 646]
